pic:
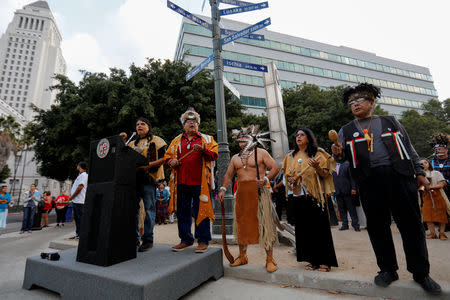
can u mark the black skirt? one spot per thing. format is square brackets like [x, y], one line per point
[313, 234]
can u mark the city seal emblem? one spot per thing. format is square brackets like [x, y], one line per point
[103, 148]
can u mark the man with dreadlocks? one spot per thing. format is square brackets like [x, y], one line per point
[253, 208]
[153, 148]
[388, 172]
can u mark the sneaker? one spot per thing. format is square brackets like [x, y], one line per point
[29, 231]
[385, 278]
[145, 246]
[201, 248]
[57, 225]
[180, 247]
[343, 227]
[428, 284]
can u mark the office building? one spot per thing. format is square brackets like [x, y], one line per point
[404, 86]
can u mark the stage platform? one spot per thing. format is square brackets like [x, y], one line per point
[156, 274]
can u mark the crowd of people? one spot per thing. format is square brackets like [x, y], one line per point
[373, 175]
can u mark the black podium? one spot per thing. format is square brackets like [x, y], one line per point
[108, 226]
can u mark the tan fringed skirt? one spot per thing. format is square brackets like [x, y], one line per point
[246, 210]
[434, 208]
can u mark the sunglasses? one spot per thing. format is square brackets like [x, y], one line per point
[359, 100]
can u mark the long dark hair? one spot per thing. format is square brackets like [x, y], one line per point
[149, 134]
[311, 150]
[430, 166]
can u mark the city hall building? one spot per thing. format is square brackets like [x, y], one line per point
[404, 86]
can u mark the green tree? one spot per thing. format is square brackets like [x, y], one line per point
[10, 132]
[420, 128]
[437, 109]
[5, 172]
[104, 105]
[319, 110]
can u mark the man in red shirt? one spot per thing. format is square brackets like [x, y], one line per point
[191, 156]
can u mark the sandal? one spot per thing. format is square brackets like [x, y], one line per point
[442, 236]
[323, 268]
[239, 261]
[431, 236]
[310, 267]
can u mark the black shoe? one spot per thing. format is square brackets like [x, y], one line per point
[428, 284]
[145, 246]
[385, 278]
[343, 228]
[357, 229]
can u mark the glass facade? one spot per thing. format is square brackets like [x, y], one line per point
[299, 68]
[316, 54]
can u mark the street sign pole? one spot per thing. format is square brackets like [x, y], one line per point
[222, 140]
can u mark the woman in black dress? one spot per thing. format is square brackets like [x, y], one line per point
[308, 173]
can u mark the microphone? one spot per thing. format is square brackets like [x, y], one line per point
[129, 140]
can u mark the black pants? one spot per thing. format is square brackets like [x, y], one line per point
[345, 204]
[61, 215]
[384, 192]
[280, 202]
[291, 209]
[77, 215]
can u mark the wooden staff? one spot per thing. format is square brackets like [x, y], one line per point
[224, 236]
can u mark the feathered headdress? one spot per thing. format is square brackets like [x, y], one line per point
[439, 140]
[252, 137]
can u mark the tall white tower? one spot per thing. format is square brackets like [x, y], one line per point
[30, 56]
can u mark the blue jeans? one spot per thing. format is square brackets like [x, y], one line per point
[188, 201]
[146, 192]
[77, 215]
[28, 218]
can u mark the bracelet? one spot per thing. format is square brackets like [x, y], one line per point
[222, 188]
[266, 180]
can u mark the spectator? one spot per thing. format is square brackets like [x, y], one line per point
[308, 171]
[30, 202]
[61, 204]
[434, 209]
[5, 199]
[345, 188]
[46, 209]
[161, 205]
[77, 196]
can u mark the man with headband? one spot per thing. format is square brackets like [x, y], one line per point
[254, 222]
[191, 157]
[387, 171]
[153, 148]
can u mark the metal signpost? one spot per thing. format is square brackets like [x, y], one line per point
[218, 42]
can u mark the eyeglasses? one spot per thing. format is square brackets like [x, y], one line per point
[359, 100]
[191, 121]
[300, 134]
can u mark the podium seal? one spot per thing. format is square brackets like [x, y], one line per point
[103, 148]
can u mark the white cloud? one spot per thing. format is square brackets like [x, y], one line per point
[148, 29]
[82, 52]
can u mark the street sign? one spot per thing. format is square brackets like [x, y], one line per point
[241, 9]
[258, 37]
[244, 65]
[246, 31]
[205, 24]
[236, 2]
[200, 67]
[188, 15]
[232, 89]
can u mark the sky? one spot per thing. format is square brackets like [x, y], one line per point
[100, 34]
